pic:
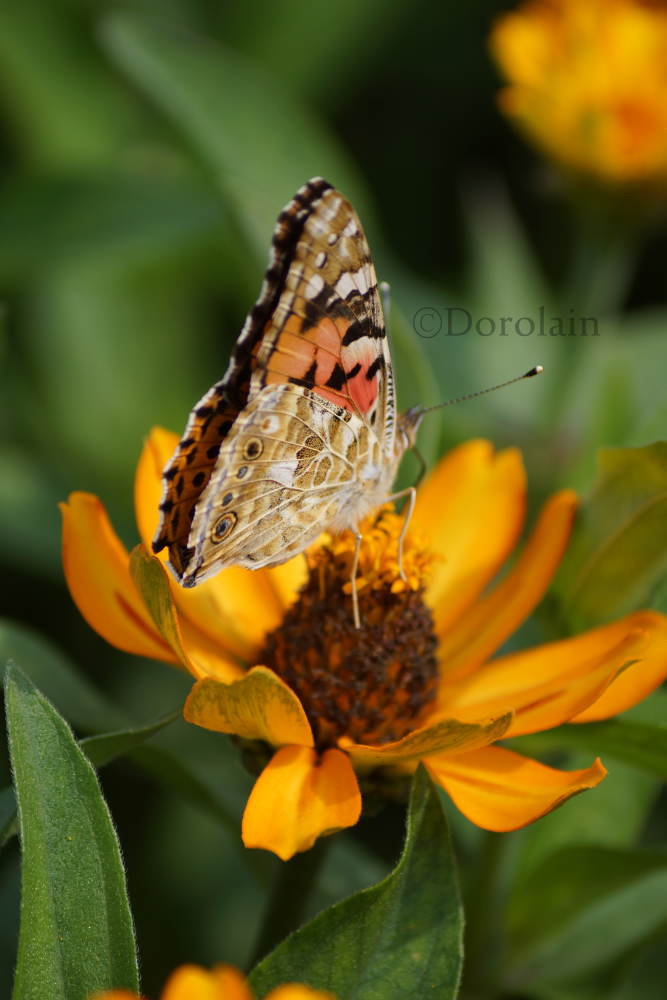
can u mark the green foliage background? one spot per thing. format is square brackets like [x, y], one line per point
[145, 152]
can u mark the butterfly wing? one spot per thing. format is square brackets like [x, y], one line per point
[317, 326]
[188, 472]
[284, 472]
[327, 333]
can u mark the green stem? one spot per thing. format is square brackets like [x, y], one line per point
[289, 897]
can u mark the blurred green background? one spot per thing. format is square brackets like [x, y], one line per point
[145, 152]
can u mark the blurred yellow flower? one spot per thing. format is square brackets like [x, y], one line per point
[588, 83]
[224, 982]
[336, 707]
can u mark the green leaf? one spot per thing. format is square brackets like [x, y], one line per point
[233, 111]
[83, 705]
[636, 743]
[103, 749]
[604, 906]
[76, 928]
[145, 221]
[619, 544]
[566, 884]
[400, 939]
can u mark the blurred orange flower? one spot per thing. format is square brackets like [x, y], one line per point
[224, 982]
[588, 83]
[335, 705]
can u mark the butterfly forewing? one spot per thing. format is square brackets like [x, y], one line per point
[276, 451]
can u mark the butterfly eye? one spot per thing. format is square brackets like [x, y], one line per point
[224, 526]
[252, 448]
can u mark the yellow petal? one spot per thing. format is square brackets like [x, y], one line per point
[236, 608]
[287, 581]
[501, 790]
[444, 736]
[191, 982]
[297, 799]
[297, 991]
[97, 569]
[472, 507]
[550, 684]
[258, 707]
[471, 640]
[639, 680]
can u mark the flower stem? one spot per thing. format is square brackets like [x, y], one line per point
[289, 897]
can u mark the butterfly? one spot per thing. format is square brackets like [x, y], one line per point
[301, 434]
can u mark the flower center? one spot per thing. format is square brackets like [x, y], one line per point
[369, 684]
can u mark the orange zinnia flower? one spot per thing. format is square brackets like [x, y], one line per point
[336, 706]
[588, 83]
[224, 982]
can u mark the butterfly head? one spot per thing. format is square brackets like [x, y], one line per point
[407, 427]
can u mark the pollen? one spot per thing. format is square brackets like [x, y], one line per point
[369, 684]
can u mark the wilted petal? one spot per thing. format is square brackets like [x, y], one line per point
[297, 799]
[194, 650]
[489, 622]
[550, 684]
[501, 790]
[639, 680]
[472, 506]
[258, 707]
[444, 736]
[97, 569]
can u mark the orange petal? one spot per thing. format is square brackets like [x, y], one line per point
[472, 507]
[501, 790]
[296, 991]
[550, 684]
[236, 608]
[115, 995]
[97, 569]
[296, 800]
[444, 736]
[191, 982]
[231, 983]
[489, 622]
[258, 707]
[639, 680]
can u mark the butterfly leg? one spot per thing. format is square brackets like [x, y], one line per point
[353, 577]
[411, 492]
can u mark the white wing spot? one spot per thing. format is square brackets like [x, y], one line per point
[314, 286]
[346, 285]
[320, 260]
[331, 238]
[351, 228]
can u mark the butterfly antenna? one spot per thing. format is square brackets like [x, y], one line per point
[533, 371]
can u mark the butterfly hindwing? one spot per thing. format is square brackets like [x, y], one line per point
[283, 474]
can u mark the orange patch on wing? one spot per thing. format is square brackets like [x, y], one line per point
[364, 391]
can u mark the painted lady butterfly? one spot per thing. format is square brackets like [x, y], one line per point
[301, 434]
